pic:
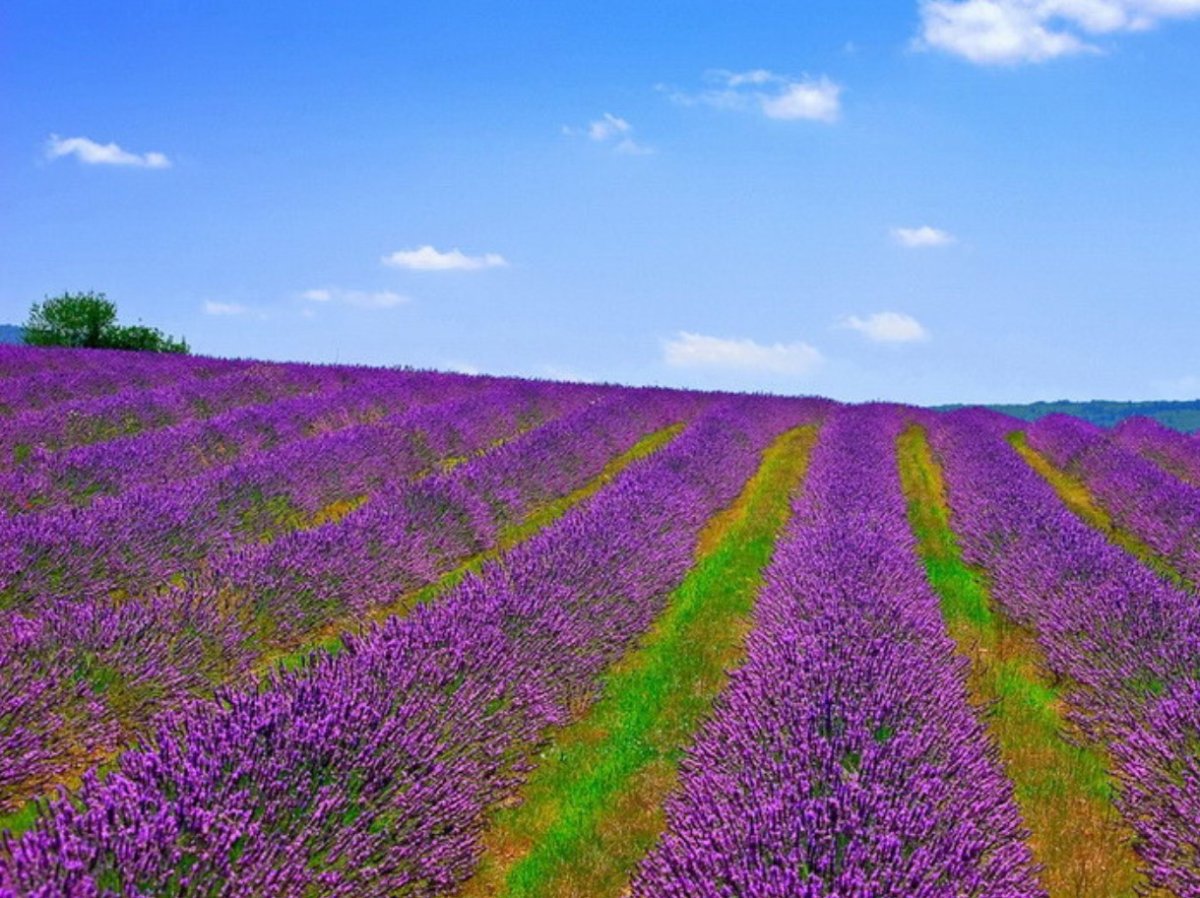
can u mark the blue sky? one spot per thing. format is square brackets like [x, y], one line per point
[952, 200]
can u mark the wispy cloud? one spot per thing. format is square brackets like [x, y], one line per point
[212, 307]
[91, 153]
[362, 299]
[688, 350]
[613, 131]
[607, 128]
[922, 237]
[1010, 32]
[772, 95]
[887, 327]
[426, 258]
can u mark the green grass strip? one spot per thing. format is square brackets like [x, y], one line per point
[1062, 787]
[20, 820]
[1077, 497]
[593, 806]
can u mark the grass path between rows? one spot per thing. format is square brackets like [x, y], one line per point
[1077, 497]
[1062, 786]
[593, 807]
[329, 639]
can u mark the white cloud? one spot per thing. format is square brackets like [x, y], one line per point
[211, 307]
[688, 350]
[922, 237]
[818, 101]
[1009, 32]
[888, 327]
[426, 258]
[614, 131]
[91, 153]
[362, 299]
[774, 96]
[994, 32]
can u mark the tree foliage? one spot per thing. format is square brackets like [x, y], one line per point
[89, 320]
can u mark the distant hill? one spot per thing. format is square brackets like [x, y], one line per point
[1183, 415]
[11, 333]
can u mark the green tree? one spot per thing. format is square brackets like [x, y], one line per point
[146, 339]
[89, 320]
[73, 319]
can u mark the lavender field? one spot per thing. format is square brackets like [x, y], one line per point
[298, 630]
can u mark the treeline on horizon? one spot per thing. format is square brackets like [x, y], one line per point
[1181, 415]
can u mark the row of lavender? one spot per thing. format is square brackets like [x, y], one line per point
[81, 474]
[366, 773]
[184, 392]
[85, 674]
[844, 758]
[1173, 451]
[35, 378]
[1141, 496]
[137, 540]
[28, 435]
[1126, 641]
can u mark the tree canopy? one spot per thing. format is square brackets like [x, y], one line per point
[89, 320]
